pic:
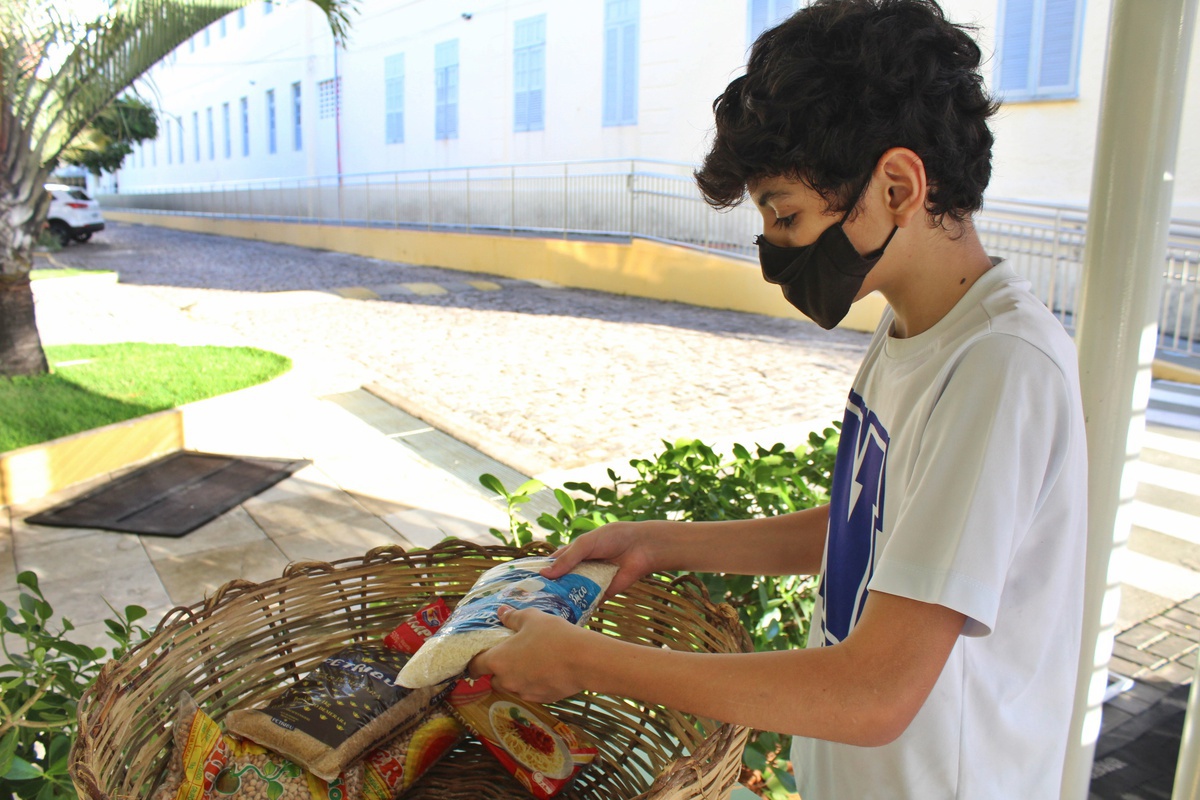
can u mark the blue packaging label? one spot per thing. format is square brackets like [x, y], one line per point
[569, 597]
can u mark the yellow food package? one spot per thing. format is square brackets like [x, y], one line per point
[208, 764]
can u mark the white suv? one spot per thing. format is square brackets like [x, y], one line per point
[73, 215]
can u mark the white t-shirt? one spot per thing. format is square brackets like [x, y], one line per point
[961, 480]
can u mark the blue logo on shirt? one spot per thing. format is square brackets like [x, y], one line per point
[855, 519]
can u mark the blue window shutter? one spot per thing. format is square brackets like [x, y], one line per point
[629, 70]
[1058, 46]
[537, 88]
[446, 83]
[452, 102]
[521, 90]
[620, 62]
[760, 16]
[393, 82]
[612, 77]
[1015, 53]
[529, 73]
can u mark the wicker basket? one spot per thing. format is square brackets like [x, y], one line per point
[247, 642]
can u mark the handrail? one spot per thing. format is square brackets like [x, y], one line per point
[1043, 241]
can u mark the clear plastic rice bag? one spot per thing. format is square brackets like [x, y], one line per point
[474, 625]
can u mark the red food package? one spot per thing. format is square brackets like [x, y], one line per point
[542, 752]
[411, 634]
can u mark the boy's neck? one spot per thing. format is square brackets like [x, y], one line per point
[929, 275]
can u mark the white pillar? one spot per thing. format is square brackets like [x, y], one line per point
[1130, 208]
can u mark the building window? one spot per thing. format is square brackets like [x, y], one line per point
[212, 142]
[445, 70]
[329, 97]
[270, 120]
[170, 158]
[1038, 47]
[297, 137]
[268, 7]
[180, 123]
[244, 103]
[154, 152]
[529, 74]
[393, 98]
[221, 28]
[620, 62]
[196, 132]
[207, 37]
[141, 155]
[763, 14]
[241, 17]
[228, 135]
[192, 45]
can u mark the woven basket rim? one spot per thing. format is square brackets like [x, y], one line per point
[681, 772]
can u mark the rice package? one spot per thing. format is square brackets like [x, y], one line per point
[207, 764]
[338, 712]
[543, 753]
[474, 625]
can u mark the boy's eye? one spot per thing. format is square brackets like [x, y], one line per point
[785, 222]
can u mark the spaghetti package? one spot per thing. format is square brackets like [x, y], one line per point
[541, 752]
[474, 625]
[207, 764]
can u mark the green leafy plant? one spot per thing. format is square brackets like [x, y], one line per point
[41, 681]
[691, 481]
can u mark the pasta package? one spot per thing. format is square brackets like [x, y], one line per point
[474, 625]
[339, 711]
[207, 764]
[543, 753]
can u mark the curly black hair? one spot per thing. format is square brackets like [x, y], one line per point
[830, 89]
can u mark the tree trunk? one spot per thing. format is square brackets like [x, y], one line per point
[20, 345]
[23, 206]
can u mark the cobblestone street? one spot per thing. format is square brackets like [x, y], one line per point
[543, 378]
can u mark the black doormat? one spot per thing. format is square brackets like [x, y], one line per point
[172, 496]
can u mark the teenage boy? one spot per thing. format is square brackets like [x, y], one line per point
[945, 640]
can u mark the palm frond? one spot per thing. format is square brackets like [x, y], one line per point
[57, 72]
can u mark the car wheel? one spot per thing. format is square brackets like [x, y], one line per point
[83, 237]
[62, 230]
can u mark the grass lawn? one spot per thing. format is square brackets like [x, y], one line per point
[93, 385]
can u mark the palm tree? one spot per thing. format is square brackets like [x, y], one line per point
[58, 70]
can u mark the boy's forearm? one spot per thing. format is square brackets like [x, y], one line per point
[808, 693]
[864, 691]
[791, 544]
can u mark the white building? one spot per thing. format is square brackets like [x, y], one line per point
[433, 84]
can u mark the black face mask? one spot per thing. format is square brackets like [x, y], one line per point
[820, 279]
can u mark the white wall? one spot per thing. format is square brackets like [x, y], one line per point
[688, 51]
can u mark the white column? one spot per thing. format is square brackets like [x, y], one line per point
[1130, 207]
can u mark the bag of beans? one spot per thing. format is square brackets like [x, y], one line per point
[207, 764]
[474, 625]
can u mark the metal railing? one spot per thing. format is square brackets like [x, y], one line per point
[643, 198]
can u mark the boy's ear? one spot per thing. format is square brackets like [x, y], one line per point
[901, 175]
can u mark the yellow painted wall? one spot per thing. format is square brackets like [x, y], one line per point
[41, 469]
[640, 268]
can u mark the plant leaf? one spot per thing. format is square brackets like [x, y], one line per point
[21, 770]
[493, 483]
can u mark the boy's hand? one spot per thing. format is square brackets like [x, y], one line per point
[626, 544]
[535, 663]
